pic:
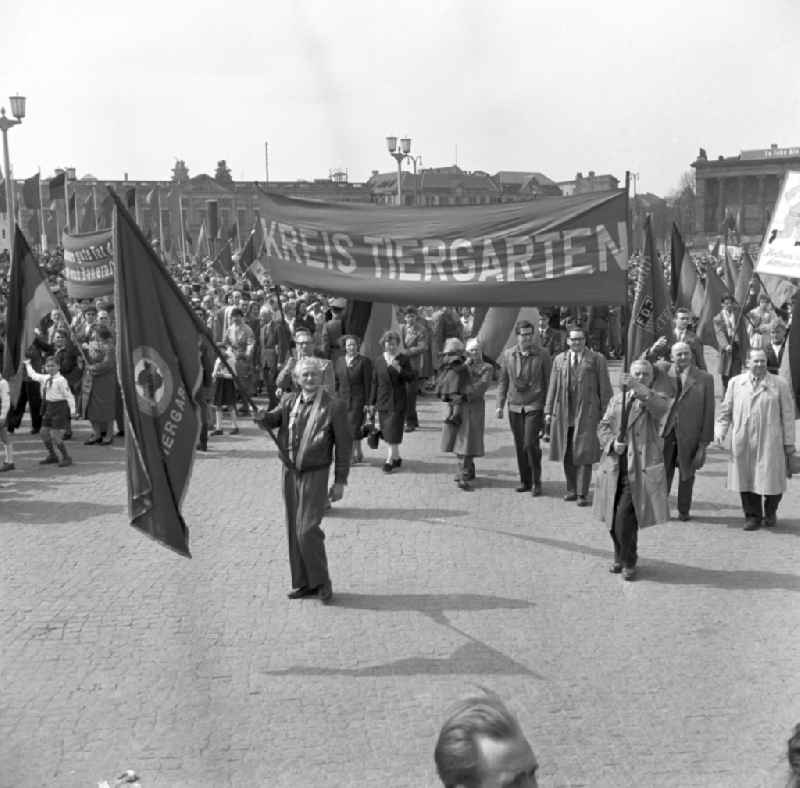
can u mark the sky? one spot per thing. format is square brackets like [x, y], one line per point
[551, 87]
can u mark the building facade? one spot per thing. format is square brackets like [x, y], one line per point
[736, 194]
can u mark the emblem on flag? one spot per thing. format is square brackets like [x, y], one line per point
[153, 381]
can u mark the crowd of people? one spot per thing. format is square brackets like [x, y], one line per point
[284, 345]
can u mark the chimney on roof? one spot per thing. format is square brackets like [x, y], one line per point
[591, 173]
[774, 146]
[374, 173]
[578, 176]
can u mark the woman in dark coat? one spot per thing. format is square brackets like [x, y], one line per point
[99, 385]
[353, 384]
[391, 371]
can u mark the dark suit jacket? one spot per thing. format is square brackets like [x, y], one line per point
[692, 340]
[730, 354]
[388, 390]
[691, 414]
[353, 385]
[773, 360]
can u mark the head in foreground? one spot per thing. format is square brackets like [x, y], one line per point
[481, 745]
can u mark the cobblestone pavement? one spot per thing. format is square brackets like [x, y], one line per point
[116, 653]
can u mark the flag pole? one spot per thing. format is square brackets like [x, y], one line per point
[41, 214]
[183, 230]
[162, 250]
[203, 329]
[623, 421]
[67, 224]
[94, 204]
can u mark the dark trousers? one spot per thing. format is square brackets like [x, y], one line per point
[578, 477]
[526, 429]
[685, 486]
[625, 528]
[30, 394]
[752, 504]
[305, 496]
[412, 389]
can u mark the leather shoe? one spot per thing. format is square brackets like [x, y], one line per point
[583, 500]
[387, 467]
[570, 496]
[325, 593]
[92, 441]
[684, 517]
[397, 463]
[537, 490]
[303, 591]
[615, 569]
[464, 485]
[752, 524]
[770, 521]
[524, 488]
[628, 573]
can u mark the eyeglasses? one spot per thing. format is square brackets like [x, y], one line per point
[525, 334]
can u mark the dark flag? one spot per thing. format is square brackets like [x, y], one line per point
[160, 372]
[71, 210]
[729, 274]
[29, 300]
[742, 292]
[30, 193]
[712, 304]
[677, 251]
[88, 223]
[130, 198]
[650, 314]
[224, 261]
[3, 202]
[106, 211]
[57, 187]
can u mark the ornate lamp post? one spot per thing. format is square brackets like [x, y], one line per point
[399, 153]
[18, 111]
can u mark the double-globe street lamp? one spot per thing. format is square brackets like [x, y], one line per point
[399, 152]
[18, 111]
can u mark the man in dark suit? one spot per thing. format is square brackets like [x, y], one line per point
[776, 347]
[681, 332]
[551, 339]
[689, 425]
[524, 377]
[313, 433]
[727, 333]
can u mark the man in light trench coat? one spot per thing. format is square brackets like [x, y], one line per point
[758, 409]
[577, 396]
[631, 491]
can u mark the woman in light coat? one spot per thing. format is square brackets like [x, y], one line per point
[759, 411]
[469, 438]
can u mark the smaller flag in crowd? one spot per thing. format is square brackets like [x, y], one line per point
[29, 300]
[56, 186]
[30, 193]
[677, 254]
[160, 373]
[712, 303]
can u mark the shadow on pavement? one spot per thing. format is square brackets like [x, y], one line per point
[473, 657]
[668, 572]
[412, 515]
[25, 511]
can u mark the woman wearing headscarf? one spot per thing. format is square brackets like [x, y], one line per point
[391, 372]
[469, 438]
[99, 385]
[353, 383]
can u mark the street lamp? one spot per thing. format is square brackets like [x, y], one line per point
[18, 111]
[399, 152]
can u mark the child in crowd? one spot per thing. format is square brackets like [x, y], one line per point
[224, 389]
[5, 438]
[58, 404]
[454, 381]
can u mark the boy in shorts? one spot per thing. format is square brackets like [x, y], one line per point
[58, 404]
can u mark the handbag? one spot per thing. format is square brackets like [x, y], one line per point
[792, 465]
[370, 431]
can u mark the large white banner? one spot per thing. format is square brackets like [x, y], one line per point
[780, 251]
